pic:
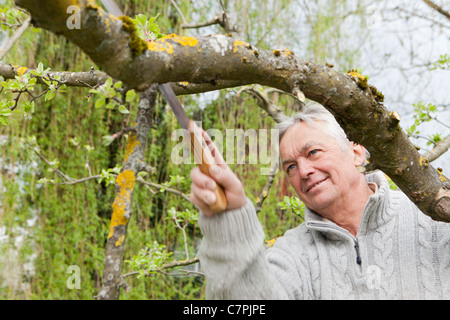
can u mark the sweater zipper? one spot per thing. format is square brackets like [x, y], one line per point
[355, 239]
[358, 257]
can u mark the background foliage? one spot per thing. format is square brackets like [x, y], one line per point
[46, 227]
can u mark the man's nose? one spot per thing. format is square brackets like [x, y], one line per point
[305, 168]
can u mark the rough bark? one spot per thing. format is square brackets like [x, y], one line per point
[125, 182]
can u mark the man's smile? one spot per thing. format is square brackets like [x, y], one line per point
[313, 185]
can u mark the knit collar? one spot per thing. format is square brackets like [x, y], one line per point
[376, 211]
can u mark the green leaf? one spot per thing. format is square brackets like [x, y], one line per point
[100, 103]
[107, 140]
[123, 109]
[5, 112]
[118, 85]
[49, 95]
[28, 107]
[108, 82]
[130, 95]
[3, 120]
[110, 105]
[32, 81]
[142, 19]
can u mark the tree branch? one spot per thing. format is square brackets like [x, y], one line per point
[440, 148]
[125, 182]
[169, 265]
[439, 9]
[357, 106]
[14, 38]
[89, 79]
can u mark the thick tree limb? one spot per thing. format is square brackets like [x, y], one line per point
[114, 46]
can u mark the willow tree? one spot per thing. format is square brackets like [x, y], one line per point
[206, 63]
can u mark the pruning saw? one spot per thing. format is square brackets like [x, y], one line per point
[202, 154]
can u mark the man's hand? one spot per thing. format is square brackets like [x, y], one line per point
[202, 186]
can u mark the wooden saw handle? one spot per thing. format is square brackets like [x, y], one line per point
[205, 160]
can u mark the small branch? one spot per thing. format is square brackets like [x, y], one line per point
[277, 115]
[221, 19]
[440, 148]
[14, 38]
[75, 181]
[169, 265]
[183, 273]
[264, 102]
[179, 11]
[183, 230]
[210, 22]
[437, 8]
[267, 186]
[159, 186]
[70, 181]
[89, 79]
[63, 176]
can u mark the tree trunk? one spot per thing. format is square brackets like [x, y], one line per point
[122, 206]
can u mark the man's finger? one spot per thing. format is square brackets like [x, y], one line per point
[212, 148]
[202, 180]
[224, 176]
[198, 197]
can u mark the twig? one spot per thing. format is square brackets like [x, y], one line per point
[159, 186]
[267, 186]
[183, 230]
[68, 180]
[437, 8]
[14, 38]
[440, 148]
[168, 265]
[179, 11]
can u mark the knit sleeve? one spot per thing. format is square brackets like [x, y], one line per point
[233, 257]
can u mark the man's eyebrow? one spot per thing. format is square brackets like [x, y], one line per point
[302, 150]
[308, 146]
[284, 162]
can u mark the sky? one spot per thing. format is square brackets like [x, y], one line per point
[396, 56]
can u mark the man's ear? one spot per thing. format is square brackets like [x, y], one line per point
[359, 154]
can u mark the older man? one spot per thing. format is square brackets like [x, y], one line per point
[360, 239]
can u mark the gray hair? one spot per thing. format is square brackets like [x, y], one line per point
[311, 112]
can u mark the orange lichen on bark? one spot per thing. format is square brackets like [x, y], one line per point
[163, 45]
[184, 41]
[160, 45]
[21, 71]
[359, 79]
[287, 52]
[125, 181]
[357, 75]
[132, 143]
[442, 177]
[237, 44]
[120, 241]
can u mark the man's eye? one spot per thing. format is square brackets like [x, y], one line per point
[313, 152]
[290, 167]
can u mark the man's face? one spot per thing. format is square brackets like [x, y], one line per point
[321, 173]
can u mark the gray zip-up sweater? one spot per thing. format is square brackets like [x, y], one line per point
[399, 253]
